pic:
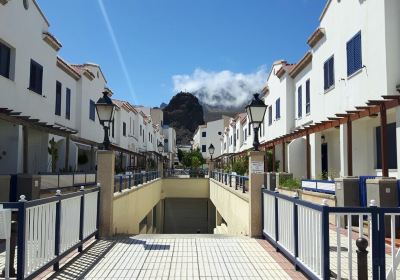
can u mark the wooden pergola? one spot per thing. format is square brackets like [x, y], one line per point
[27, 122]
[372, 108]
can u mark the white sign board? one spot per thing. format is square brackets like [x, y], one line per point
[257, 167]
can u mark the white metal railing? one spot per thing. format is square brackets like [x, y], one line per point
[90, 214]
[269, 215]
[310, 242]
[69, 228]
[50, 228]
[40, 236]
[285, 226]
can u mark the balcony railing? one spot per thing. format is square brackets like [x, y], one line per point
[51, 228]
[232, 180]
[127, 181]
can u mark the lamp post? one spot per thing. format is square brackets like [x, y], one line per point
[211, 150]
[256, 112]
[105, 111]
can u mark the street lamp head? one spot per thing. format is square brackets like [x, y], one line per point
[105, 109]
[160, 148]
[211, 149]
[256, 112]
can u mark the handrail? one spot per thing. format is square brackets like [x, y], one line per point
[127, 181]
[39, 249]
[231, 180]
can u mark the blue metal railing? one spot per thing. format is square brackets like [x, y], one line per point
[49, 244]
[301, 231]
[231, 180]
[122, 182]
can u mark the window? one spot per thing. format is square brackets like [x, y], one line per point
[92, 110]
[124, 129]
[204, 134]
[231, 140]
[354, 54]
[68, 104]
[58, 98]
[278, 109]
[391, 147]
[112, 130]
[5, 59]
[269, 115]
[308, 104]
[203, 148]
[329, 73]
[237, 133]
[245, 134]
[249, 129]
[166, 140]
[140, 130]
[299, 102]
[36, 77]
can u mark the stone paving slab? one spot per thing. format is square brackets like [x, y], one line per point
[192, 257]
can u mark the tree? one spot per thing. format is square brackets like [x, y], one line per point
[180, 155]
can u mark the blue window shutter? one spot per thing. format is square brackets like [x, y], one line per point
[326, 75]
[357, 52]
[299, 102]
[350, 57]
[331, 72]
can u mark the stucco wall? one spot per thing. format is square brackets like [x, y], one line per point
[133, 205]
[232, 206]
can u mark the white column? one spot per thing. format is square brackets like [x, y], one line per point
[343, 150]
[398, 140]
[315, 143]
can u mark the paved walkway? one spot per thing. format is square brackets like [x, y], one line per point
[181, 257]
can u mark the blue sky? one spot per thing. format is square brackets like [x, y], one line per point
[162, 45]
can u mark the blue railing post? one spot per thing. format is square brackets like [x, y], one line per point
[375, 242]
[276, 223]
[120, 183]
[382, 244]
[98, 213]
[326, 272]
[230, 180]
[236, 182]
[243, 185]
[57, 239]
[82, 219]
[296, 231]
[21, 238]
[129, 181]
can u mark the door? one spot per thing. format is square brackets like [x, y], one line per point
[324, 159]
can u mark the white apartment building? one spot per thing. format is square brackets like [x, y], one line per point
[45, 97]
[325, 113]
[210, 133]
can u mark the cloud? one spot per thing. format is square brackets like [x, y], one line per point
[221, 89]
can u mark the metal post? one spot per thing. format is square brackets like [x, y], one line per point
[375, 241]
[362, 258]
[98, 213]
[57, 239]
[82, 219]
[276, 223]
[21, 238]
[296, 231]
[326, 272]
[120, 183]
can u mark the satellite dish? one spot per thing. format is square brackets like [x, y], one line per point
[26, 4]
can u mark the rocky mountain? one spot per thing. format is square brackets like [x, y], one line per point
[185, 114]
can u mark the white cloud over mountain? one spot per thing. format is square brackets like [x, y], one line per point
[221, 89]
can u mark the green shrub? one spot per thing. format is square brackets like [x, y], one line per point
[290, 183]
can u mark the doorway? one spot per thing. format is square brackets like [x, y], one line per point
[324, 159]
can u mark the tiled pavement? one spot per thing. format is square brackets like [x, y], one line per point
[181, 257]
